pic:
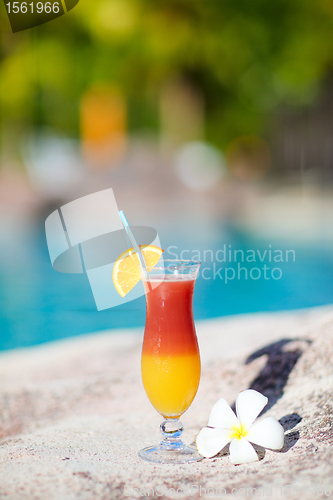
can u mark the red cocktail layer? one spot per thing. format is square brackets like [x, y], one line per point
[169, 322]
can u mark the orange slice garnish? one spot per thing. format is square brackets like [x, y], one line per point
[126, 270]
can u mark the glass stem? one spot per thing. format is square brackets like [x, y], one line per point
[171, 430]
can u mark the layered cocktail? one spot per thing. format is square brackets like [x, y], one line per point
[170, 363]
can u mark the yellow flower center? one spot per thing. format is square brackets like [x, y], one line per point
[238, 432]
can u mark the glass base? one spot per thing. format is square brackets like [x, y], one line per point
[172, 450]
[160, 455]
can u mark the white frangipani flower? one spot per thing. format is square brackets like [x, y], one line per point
[225, 427]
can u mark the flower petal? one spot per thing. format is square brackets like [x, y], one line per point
[242, 452]
[249, 404]
[268, 433]
[222, 416]
[210, 441]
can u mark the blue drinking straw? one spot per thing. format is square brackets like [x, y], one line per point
[132, 239]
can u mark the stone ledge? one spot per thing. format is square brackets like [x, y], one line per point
[73, 413]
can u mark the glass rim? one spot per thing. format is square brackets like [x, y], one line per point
[177, 264]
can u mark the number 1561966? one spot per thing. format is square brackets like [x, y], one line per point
[24, 7]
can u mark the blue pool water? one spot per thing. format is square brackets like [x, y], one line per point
[37, 304]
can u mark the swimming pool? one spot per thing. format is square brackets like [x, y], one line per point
[37, 304]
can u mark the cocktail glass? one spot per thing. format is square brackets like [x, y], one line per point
[170, 363]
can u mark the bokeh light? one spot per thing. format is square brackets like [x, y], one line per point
[200, 166]
[103, 126]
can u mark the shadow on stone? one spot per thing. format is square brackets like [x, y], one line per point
[290, 421]
[224, 452]
[290, 440]
[261, 452]
[281, 359]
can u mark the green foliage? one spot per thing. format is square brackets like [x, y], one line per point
[247, 58]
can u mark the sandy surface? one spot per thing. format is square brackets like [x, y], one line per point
[73, 414]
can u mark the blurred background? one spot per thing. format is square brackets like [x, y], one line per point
[211, 120]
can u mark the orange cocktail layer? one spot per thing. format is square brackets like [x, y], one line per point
[170, 363]
[171, 382]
